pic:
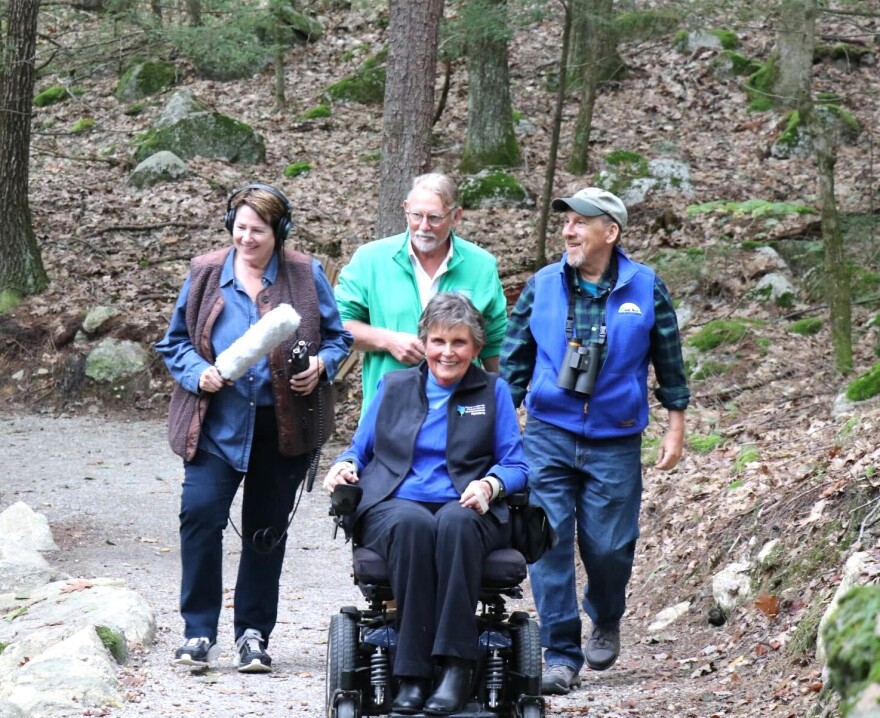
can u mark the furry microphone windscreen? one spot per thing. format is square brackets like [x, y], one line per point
[275, 327]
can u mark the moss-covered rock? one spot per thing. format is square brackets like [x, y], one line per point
[775, 288]
[296, 28]
[730, 63]
[808, 326]
[493, 188]
[750, 208]
[632, 177]
[56, 93]
[795, 139]
[144, 79]
[865, 386]
[853, 643]
[845, 54]
[189, 130]
[716, 38]
[113, 360]
[315, 113]
[717, 333]
[366, 86]
[297, 169]
[644, 24]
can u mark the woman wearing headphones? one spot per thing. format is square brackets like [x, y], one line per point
[267, 425]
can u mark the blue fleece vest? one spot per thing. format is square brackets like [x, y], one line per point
[619, 403]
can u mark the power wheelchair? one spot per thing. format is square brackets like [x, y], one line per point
[361, 642]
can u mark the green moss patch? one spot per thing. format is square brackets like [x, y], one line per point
[56, 93]
[703, 444]
[717, 333]
[82, 125]
[759, 86]
[807, 326]
[735, 63]
[316, 113]
[144, 79]
[297, 169]
[114, 641]
[748, 454]
[751, 208]
[865, 386]
[624, 167]
[727, 38]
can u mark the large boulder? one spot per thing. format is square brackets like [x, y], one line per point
[144, 79]
[188, 128]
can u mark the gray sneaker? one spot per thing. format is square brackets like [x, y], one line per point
[603, 646]
[250, 653]
[197, 653]
[559, 679]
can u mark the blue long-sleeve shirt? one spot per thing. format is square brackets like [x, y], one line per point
[227, 430]
[510, 465]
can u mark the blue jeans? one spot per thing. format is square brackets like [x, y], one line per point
[592, 489]
[209, 486]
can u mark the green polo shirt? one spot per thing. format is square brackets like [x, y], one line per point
[378, 286]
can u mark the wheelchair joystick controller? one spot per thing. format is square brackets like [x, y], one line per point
[344, 501]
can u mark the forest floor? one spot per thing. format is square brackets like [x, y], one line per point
[782, 465]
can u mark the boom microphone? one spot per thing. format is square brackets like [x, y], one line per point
[276, 326]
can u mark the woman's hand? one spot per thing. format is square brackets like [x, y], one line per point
[210, 380]
[306, 381]
[344, 472]
[476, 496]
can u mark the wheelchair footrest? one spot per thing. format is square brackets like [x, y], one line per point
[470, 710]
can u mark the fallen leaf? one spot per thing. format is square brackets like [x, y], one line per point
[768, 605]
[79, 584]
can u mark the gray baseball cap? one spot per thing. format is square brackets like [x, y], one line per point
[591, 202]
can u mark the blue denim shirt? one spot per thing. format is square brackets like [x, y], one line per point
[228, 427]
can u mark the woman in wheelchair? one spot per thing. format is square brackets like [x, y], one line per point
[436, 450]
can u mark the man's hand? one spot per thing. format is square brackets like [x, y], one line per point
[672, 446]
[406, 348]
[305, 382]
[344, 472]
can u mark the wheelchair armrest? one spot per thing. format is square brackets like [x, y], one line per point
[345, 499]
[518, 500]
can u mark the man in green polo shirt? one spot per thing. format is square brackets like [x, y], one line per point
[381, 292]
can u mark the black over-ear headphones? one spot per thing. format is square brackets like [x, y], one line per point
[282, 226]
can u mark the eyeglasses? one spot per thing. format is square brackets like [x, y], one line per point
[434, 220]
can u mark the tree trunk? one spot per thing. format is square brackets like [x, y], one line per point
[549, 176]
[598, 37]
[490, 136]
[794, 51]
[21, 266]
[156, 7]
[194, 8]
[409, 105]
[280, 99]
[585, 22]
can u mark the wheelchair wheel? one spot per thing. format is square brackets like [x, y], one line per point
[341, 657]
[527, 643]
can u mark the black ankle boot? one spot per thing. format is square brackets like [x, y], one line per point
[454, 688]
[411, 695]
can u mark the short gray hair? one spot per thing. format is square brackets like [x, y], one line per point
[441, 185]
[451, 309]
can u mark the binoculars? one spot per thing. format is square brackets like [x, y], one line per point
[581, 365]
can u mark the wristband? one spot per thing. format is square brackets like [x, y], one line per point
[496, 486]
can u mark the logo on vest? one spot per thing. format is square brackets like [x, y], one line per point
[629, 308]
[476, 410]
